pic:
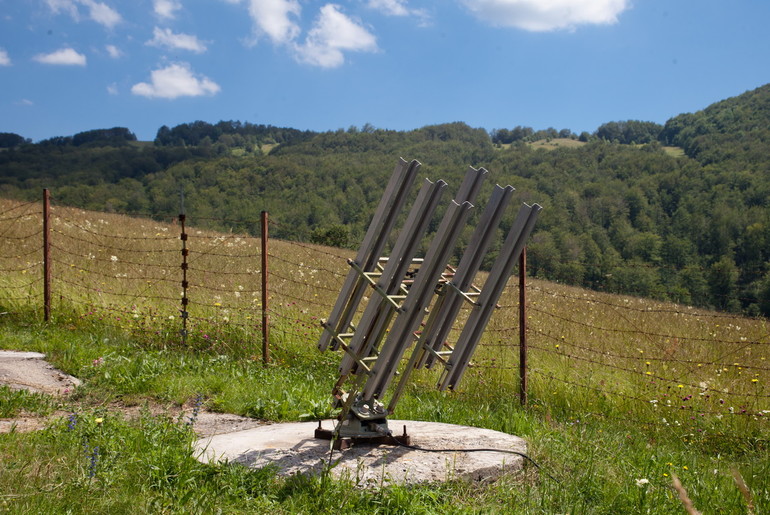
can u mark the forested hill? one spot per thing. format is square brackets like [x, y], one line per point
[735, 130]
[678, 211]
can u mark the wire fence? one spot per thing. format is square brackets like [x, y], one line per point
[172, 283]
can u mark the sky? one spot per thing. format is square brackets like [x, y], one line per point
[68, 66]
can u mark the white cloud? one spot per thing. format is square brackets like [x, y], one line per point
[331, 35]
[101, 13]
[97, 11]
[174, 81]
[390, 7]
[67, 6]
[64, 56]
[399, 8]
[112, 89]
[274, 19]
[166, 9]
[5, 60]
[167, 38]
[113, 51]
[546, 15]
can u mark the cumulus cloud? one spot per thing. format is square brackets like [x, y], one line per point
[276, 19]
[5, 60]
[390, 7]
[113, 51]
[97, 11]
[64, 57]
[167, 38]
[67, 6]
[332, 34]
[399, 8]
[546, 15]
[166, 9]
[101, 13]
[174, 81]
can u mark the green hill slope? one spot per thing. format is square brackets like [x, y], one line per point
[637, 219]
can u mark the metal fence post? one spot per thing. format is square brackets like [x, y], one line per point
[185, 252]
[523, 327]
[265, 317]
[46, 255]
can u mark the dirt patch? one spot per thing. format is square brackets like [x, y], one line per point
[30, 371]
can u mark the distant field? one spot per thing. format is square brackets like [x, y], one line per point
[674, 151]
[573, 143]
[557, 143]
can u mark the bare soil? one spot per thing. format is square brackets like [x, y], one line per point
[30, 371]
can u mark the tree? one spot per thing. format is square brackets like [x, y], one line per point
[10, 140]
[723, 279]
[629, 132]
[331, 236]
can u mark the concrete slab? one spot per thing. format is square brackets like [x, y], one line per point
[29, 371]
[447, 451]
[15, 354]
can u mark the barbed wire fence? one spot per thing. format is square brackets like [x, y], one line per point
[173, 284]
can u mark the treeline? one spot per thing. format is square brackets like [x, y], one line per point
[227, 133]
[622, 213]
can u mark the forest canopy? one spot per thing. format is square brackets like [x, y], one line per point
[678, 211]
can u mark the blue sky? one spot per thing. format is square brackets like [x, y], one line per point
[68, 66]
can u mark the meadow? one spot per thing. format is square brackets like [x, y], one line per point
[624, 393]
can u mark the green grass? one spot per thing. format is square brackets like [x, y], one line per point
[624, 393]
[145, 464]
[674, 151]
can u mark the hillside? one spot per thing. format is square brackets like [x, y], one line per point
[620, 215]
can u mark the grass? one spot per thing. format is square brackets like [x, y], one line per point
[550, 144]
[624, 392]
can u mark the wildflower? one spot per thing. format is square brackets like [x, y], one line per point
[680, 386]
[754, 380]
[685, 468]
[641, 482]
[113, 258]
[73, 421]
[93, 461]
[99, 421]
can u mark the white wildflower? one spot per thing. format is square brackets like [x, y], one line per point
[641, 482]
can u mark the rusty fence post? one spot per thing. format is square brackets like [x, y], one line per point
[185, 284]
[265, 316]
[523, 327]
[46, 255]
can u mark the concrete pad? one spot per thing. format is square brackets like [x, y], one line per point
[293, 449]
[14, 354]
[29, 371]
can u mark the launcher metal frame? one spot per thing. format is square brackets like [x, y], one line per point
[406, 287]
